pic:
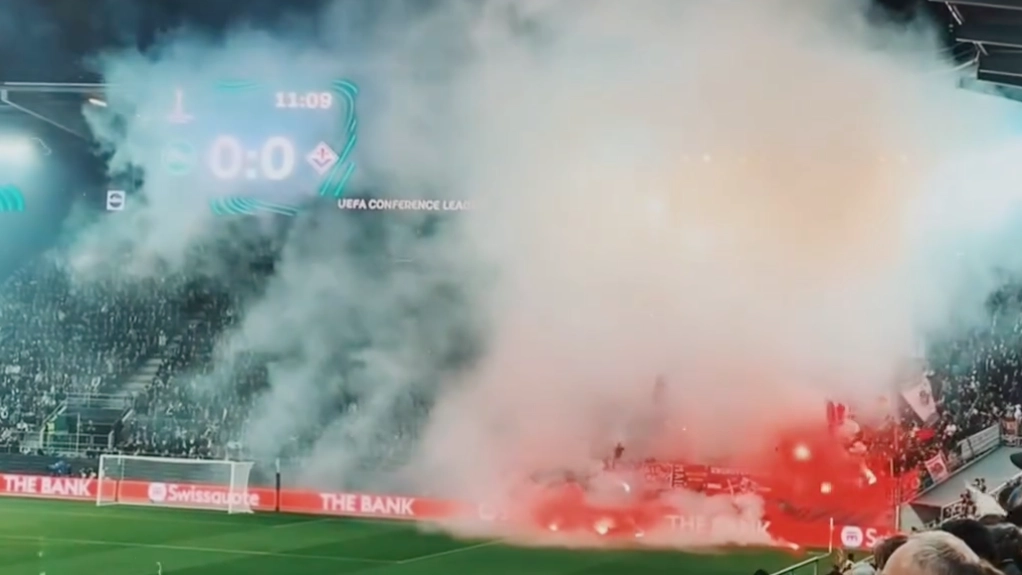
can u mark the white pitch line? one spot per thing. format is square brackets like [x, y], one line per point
[191, 548]
[450, 552]
[302, 522]
[168, 515]
[158, 518]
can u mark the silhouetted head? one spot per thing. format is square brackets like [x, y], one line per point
[976, 535]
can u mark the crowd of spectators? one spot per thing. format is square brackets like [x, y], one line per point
[184, 412]
[986, 539]
[190, 408]
[60, 338]
[976, 382]
[987, 545]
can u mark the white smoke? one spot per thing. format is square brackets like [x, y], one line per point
[762, 199]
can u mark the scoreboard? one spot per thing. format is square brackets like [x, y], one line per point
[253, 147]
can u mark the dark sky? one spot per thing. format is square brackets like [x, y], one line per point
[45, 40]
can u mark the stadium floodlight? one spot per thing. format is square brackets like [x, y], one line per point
[17, 150]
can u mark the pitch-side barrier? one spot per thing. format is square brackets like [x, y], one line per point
[805, 533]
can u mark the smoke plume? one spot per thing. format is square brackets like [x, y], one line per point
[765, 201]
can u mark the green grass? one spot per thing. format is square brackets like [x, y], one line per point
[61, 538]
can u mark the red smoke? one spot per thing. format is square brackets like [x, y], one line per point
[810, 473]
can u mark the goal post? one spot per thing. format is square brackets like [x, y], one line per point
[216, 485]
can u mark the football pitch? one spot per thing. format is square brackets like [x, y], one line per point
[64, 538]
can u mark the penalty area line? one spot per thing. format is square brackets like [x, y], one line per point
[451, 551]
[189, 548]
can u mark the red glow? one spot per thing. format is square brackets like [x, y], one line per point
[810, 476]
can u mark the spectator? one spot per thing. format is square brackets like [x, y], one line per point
[1008, 543]
[847, 563]
[883, 550]
[976, 535]
[936, 553]
[862, 568]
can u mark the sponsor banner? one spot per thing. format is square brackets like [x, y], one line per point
[937, 468]
[71, 488]
[184, 495]
[919, 396]
[979, 443]
[658, 475]
[783, 529]
[368, 505]
[780, 531]
[853, 537]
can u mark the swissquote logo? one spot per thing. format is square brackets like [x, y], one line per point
[171, 494]
[852, 536]
[157, 492]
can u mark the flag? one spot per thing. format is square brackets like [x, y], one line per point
[920, 398]
[937, 468]
[836, 414]
[986, 504]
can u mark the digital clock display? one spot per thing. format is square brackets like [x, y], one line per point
[312, 100]
[262, 148]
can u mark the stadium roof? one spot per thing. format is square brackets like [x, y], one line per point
[994, 27]
[59, 106]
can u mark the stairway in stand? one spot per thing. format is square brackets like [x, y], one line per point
[137, 382]
[146, 373]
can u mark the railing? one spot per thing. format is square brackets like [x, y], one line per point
[73, 443]
[957, 510]
[71, 430]
[811, 566]
[47, 421]
[99, 401]
[969, 450]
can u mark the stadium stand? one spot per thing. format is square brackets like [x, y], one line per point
[60, 341]
[70, 356]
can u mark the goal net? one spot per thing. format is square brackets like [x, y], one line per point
[179, 483]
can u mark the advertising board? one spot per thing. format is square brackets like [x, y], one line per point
[814, 532]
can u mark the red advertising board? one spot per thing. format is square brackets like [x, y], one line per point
[186, 495]
[815, 532]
